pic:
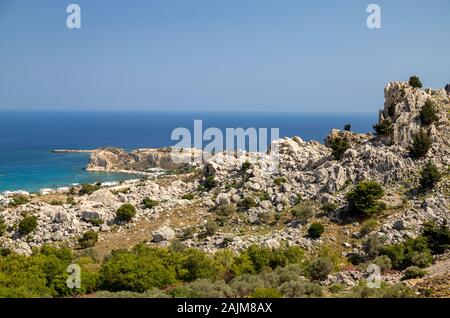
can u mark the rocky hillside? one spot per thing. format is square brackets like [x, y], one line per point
[228, 202]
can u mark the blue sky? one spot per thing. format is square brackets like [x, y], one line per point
[264, 55]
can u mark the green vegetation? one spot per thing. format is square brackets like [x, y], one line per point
[338, 146]
[437, 237]
[3, 226]
[209, 183]
[429, 175]
[316, 230]
[368, 226]
[266, 292]
[415, 82]
[428, 113]
[245, 166]
[96, 221]
[384, 128]
[18, 200]
[302, 212]
[347, 127]
[320, 268]
[279, 181]
[226, 210]
[211, 228]
[413, 272]
[363, 200]
[329, 207]
[188, 196]
[28, 224]
[88, 189]
[247, 203]
[421, 144]
[149, 203]
[126, 212]
[88, 239]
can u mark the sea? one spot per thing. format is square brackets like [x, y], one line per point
[27, 138]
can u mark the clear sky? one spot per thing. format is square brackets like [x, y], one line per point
[265, 55]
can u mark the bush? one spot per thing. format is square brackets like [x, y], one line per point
[437, 237]
[149, 203]
[205, 288]
[3, 226]
[413, 272]
[384, 128]
[347, 127]
[302, 213]
[300, 289]
[429, 176]
[88, 189]
[126, 212]
[320, 268]
[138, 270]
[372, 246]
[209, 183]
[188, 233]
[363, 200]
[245, 166]
[421, 144]
[415, 82]
[383, 262]
[428, 113]
[279, 181]
[368, 226]
[266, 293]
[96, 221]
[211, 228]
[188, 196]
[403, 254]
[226, 210]
[28, 224]
[329, 207]
[247, 203]
[18, 200]
[88, 239]
[316, 230]
[196, 264]
[338, 146]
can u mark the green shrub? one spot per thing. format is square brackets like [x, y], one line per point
[338, 146]
[320, 268]
[429, 175]
[245, 166]
[3, 226]
[363, 200]
[372, 246]
[28, 224]
[300, 289]
[246, 284]
[437, 237]
[279, 181]
[96, 221]
[205, 288]
[138, 270]
[428, 113]
[226, 210]
[415, 82]
[18, 200]
[421, 144]
[347, 127]
[368, 226]
[188, 233]
[88, 189]
[88, 239]
[149, 203]
[329, 207]
[423, 259]
[302, 213]
[383, 262]
[391, 110]
[209, 183]
[403, 254]
[316, 230]
[266, 293]
[384, 128]
[188, 196]
[126, 212]
[413, 272]
[196, 264]
[211, 228]
[247, 203]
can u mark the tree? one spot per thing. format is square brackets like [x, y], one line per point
[316, 230]
[126, 212]
[320, 268]
[28, 224]
[88, 239]
[429, 175]
[363, 200]
[347, 127]
[415, 82]
[428, 113]
[338, 146]
[384, 128]
[421, 144]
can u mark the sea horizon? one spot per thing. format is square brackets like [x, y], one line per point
[27, 138]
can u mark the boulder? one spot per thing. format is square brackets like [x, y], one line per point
[162, 234]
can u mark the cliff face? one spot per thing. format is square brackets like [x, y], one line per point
[114, 159]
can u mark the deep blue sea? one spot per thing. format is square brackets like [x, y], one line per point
[27, 138]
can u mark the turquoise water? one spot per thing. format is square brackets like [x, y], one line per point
[27, 138]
